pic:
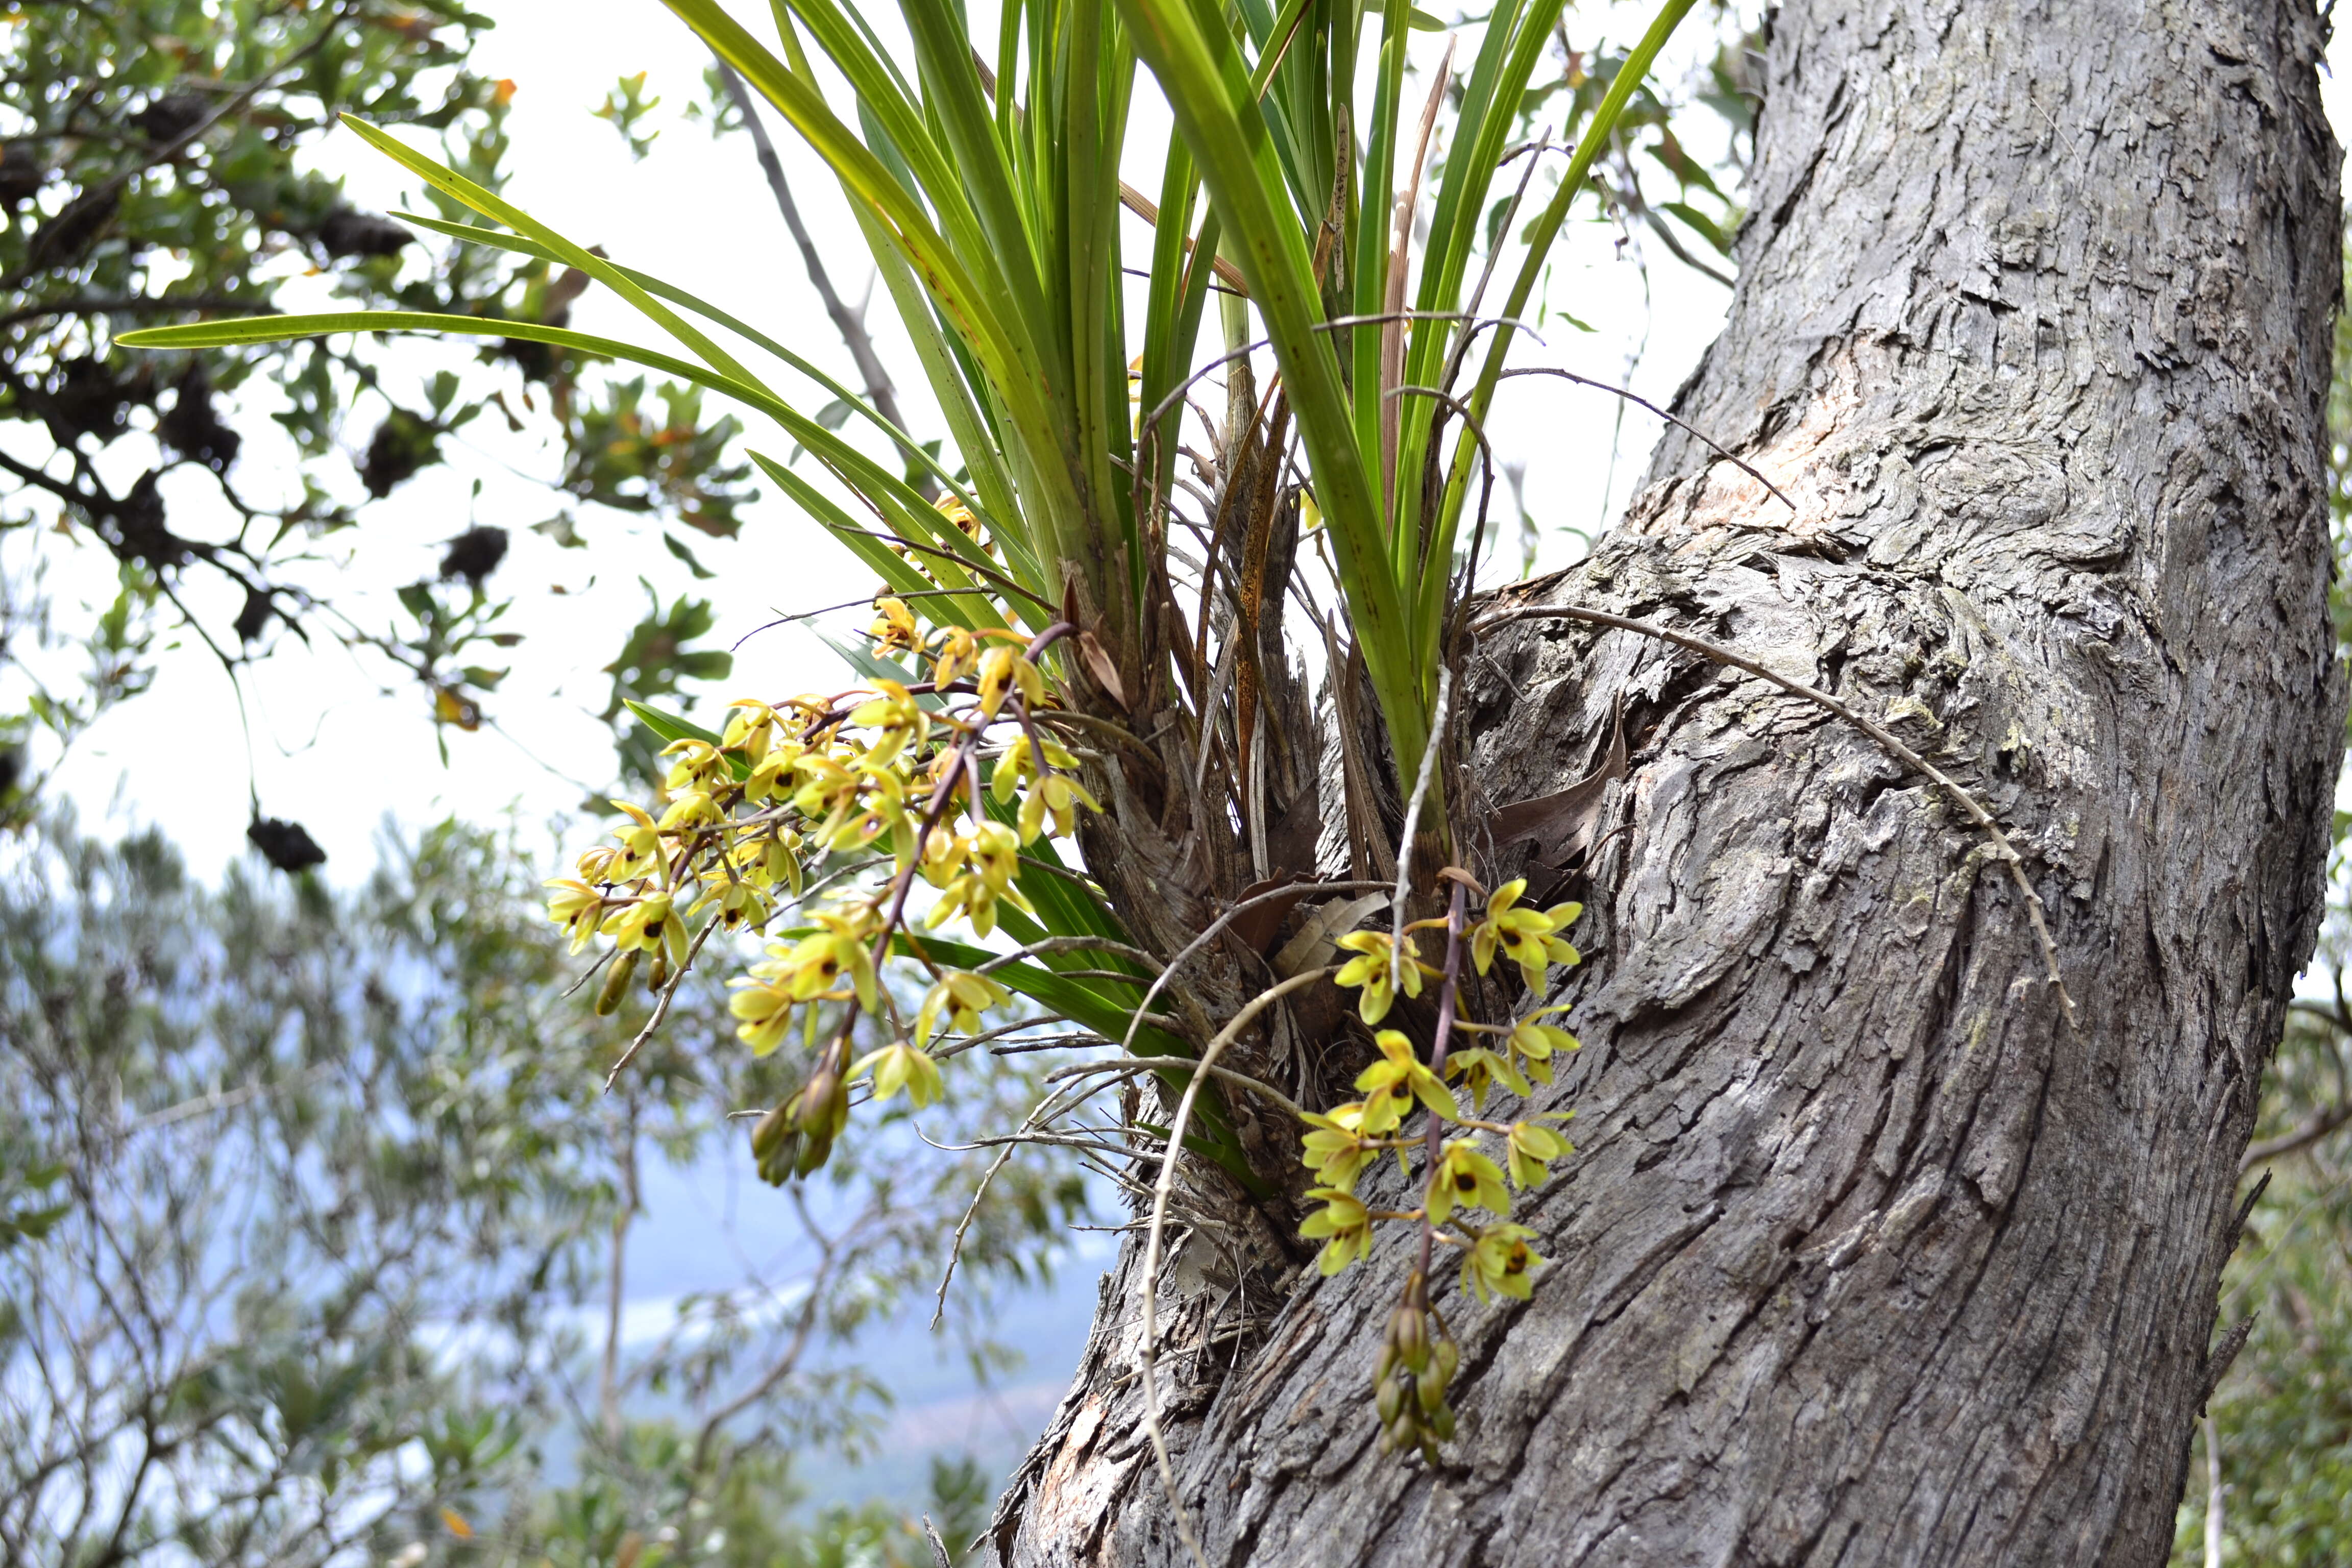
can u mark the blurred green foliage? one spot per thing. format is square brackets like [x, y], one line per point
[156, 164]
[2282, 1417]
[308, 1205]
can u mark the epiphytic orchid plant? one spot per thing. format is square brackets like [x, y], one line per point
[1081, 631]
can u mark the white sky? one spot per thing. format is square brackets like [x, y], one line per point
[342, 742]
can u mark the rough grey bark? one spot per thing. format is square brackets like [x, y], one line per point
[1865, 1259]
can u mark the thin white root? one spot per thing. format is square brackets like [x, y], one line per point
[1412, 821]
[1160, 1194]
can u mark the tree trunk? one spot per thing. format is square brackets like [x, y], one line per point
[1867, 1258]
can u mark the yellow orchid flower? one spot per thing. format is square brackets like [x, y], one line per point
[1003, 670]
[1372, 970]
[964, 998]
[1479, 1069]
[1344, 1218]
[1528, 936]
[1498, 1263]
[1392, 1084]
[578, 909]
[1532, 1147]
[1339, 1148]
[652, 923]
[1466, 1179]
[897, 720]
[902, 1067]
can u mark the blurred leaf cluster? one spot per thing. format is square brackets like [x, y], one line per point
[158, 164]
[1648, 175]
[2282, 1417]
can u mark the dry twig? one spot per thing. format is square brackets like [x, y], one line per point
[2002, 848]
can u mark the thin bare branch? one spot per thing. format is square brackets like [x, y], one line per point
[661, 1009]
[2314, 1128]
[1412, 822]
[1696, 434]
[2002, 848]
[849, 324]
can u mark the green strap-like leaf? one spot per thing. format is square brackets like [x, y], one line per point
[881, 488]
[1514, 44]
[231, 332]
[976, 163]
[671, 727]
[498, 239]
[1083, 1002]
[980, 314]
[1377, 196]
[492, 206]
[1178, 289]
[968, 608]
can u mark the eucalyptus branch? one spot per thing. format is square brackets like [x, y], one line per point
[1106, 1144]
[1479, 323]
[2313, 1128]
[849, 324]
